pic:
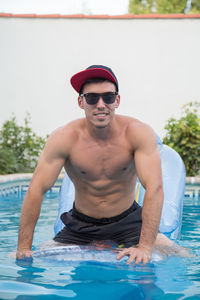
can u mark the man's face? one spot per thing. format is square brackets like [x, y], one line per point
[100, 114]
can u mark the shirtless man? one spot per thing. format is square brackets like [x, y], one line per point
[103, 154]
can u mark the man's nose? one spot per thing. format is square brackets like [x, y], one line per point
[100, 103]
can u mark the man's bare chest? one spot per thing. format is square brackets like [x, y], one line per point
[101, 161]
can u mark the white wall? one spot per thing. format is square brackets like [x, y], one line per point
[156, 61]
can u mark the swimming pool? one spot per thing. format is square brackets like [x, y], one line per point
[171, 278]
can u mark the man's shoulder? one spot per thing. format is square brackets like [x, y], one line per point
[71, 128]
[138, 132]
[68, 134]
[133, 125]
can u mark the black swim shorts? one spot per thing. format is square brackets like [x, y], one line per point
[81, 229]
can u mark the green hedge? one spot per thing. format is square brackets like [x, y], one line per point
[20, 147]
[183, 135]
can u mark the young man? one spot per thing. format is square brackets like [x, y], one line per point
[103, 154]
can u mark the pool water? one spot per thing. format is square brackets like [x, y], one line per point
[171, 278]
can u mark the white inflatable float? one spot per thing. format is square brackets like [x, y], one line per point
[173, 174]
[75, 253]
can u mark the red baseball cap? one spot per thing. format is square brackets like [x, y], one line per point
[94, 71]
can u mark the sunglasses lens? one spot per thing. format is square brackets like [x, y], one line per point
[92, 98]
[109, 98]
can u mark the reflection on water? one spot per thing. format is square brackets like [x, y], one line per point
[171, 278]
[108, 280]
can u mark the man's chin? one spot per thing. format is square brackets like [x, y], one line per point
[101, 124]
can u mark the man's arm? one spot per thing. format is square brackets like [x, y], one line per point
[148, 166]
[49, 166]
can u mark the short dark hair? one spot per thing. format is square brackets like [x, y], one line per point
[96, 80]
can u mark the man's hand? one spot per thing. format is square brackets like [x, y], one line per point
[25, 253]
[135, 254]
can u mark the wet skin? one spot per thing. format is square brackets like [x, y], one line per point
[103, 154]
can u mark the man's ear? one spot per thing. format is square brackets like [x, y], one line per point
[117, 101]
[80, 102]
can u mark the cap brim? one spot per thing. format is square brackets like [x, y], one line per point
[78, 79]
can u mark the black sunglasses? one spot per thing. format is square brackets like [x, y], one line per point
[93, 98]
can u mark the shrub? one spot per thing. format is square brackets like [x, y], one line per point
[183, 135]
[20, 147]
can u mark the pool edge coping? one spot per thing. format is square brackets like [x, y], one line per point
[21, 176]
[195, 180]
[24, 176]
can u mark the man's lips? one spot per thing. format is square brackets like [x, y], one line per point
[100, 116]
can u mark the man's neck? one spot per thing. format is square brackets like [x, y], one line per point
[102, 133]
